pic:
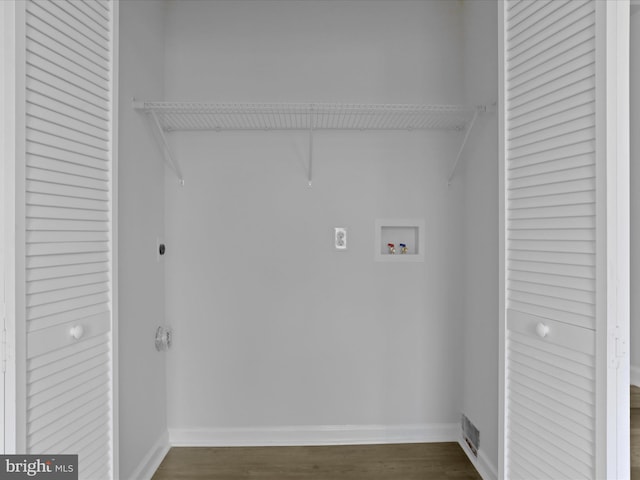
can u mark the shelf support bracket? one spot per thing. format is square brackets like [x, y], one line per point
[168, 157]
[452, 172]
[166, 151]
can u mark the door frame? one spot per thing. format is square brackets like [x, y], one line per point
[613, 265]
[12, 182]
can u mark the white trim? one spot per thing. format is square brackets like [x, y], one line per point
[309, 435]
[612, 271]
[16, 437]
[502, 311]
[5, 121]
[485, 468]
[115, 417]
[618, 232]
[635, 375]
[152, 460]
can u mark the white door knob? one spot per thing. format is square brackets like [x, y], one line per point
[77, 331]
[542, 330]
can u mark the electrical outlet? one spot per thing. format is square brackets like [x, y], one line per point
[340, 238]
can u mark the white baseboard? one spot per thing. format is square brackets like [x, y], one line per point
[635, 375]
[313, 435]
[152, 460]
[482, 464]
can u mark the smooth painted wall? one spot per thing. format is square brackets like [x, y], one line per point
[479, 184]
[142, 390]
[273, 327]
[635, 195]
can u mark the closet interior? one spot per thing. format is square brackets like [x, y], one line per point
[248, 132]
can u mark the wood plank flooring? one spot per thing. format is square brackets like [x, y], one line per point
[635, 433]
[418, 461]
[423, 461]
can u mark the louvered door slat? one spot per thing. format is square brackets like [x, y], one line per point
[534, 121]
[76, 71]
[67, 202]
[559, 234]
[517, 12]
[65, 116]
[90, 168]
[563, 451]
[524, 27]
[51, 285]
[42, 77]
[90, 17]
[76, 135]
[66, 270]
[558, 188]
[68, 217]
[62, 294]
[555, 130]
[62, 142]
[73, 437]
[62, 365]
[521, 467]
[45, 97]
[41, 34]
[576, 431]
[552, 112]
[553, 67]
[56, 34]
[91, 451]
[64, 13]
[541, 245]
[577, 283]
[546, 200]
[550, 221]
[566, 32]
[41, 186]
[559, 465]
[544, 182]
[548, 166]
[546, 22]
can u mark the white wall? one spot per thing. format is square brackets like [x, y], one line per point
[635, 196]
[273, 328]
[479, 182]
[141, 218]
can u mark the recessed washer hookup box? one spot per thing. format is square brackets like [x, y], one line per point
[39, 467]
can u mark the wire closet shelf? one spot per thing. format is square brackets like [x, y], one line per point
[191, 116]
[176, 116]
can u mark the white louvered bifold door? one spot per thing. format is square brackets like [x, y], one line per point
[555, 190]
[68, 231]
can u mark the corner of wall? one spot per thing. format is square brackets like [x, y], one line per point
[152, 459]
[482, 463]
[142, 370]
[481, 223]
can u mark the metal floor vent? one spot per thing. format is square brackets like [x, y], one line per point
[471, 434]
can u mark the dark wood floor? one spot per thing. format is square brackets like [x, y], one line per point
[371, 462]
[420, 461]
[635, 433]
